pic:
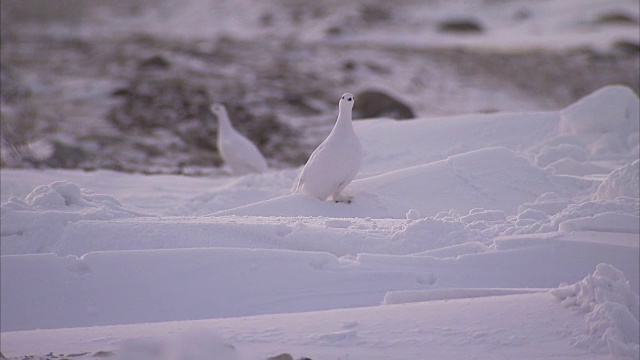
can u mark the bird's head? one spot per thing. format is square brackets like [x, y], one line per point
[347, 100]
[218, 109]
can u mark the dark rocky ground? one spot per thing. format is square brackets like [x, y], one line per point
[140, 102]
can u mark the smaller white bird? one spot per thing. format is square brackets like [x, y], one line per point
[237, 151]
[336, 161]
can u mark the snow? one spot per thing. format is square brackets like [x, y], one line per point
[443, 329]
[480, 227]
[593, 115]
[460, 241]
[408, 296]
[612, 311]
[621, 182]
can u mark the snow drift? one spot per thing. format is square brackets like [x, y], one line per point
[612, 311]
[465, 217]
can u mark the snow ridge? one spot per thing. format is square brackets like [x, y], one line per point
[612, 311]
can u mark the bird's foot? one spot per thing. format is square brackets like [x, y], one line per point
[348, 201]
[342, 199]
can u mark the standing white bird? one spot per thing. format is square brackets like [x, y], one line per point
[336, 161]
[237, 151]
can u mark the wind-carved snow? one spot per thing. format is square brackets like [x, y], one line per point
[612, 109]
[621, 182]
[607, 119]
[195, 344]
[612, 312]
[452, 221]
[36, 223]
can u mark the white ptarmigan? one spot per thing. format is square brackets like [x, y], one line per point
[238, 152]
[336, 161]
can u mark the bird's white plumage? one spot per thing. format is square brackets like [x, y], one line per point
[238, 152]
[333, 165]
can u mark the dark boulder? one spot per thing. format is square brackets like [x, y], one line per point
[617, 18]
[375, 104]
[461, 26]
[12, 88]
[156, 62]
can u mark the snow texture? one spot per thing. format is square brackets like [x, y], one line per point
[453, 220]
[621, 182]
[612, 311]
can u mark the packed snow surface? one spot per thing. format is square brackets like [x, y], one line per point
[489, 236]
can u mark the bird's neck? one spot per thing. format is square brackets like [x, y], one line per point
[224, 124]
[344, 120]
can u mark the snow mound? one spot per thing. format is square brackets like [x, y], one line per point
[624, 181]
[619, 215]
[610, 109]
[568, 166]
[430, 233]
[494, 178]
[412, 296]
[606, 222]
[48, 208]
[195, 344]
[552, 153]
[590, 209]
[395, 145]
[612, 311]
[449, 231]
[609, 118]
[548, 203]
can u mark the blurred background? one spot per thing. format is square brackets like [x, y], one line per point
[126, 84]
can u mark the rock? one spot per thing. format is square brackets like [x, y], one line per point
[156, 62]
[267, 19]
[103, 353]
[618, 18]
[522, 14]
[375, 13]
[157, 113]
[375, 103]
[12, 87]
[333, 31]
[66, 156]
[283, 356]
[349, 65]
[152, 103]
[124, 92]
[466, 26]
[627, 47]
